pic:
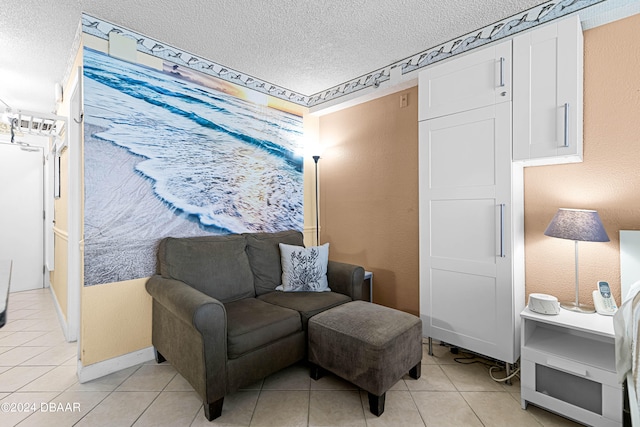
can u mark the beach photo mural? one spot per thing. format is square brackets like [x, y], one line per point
[180, 153]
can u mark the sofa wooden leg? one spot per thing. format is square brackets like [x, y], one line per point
[315, 371]
[159, 358]
[213, 410]
[415, 371]
[376, 404]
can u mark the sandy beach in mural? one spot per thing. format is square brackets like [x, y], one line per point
[164, 156]
[135, 232]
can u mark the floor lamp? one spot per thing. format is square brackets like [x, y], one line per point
[577, 225]
[315, 160]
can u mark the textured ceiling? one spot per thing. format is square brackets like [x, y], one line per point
[307, 46]
[304, 46]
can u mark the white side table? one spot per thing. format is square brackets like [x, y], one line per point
[568, 366]
[368, 279]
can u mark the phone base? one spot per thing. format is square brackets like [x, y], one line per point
[577, 307]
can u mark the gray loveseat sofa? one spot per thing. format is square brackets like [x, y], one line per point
[218, 319]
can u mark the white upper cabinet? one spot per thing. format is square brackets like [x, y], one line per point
[547, 94]
[464, 83]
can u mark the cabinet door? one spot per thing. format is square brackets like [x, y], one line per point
[466, 294]
[474, 80]
[547, 93]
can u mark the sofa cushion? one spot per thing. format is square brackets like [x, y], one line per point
[307, 303]
[252, 323]
[215, 265]
[264, 257]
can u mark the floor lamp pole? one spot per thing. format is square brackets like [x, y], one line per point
[315, 160]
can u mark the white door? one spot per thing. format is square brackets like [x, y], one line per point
[21, 216]
[466, 295]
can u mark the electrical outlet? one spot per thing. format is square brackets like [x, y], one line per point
[404, 100]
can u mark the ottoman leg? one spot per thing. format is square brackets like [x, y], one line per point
[159, 357]
[315, 371]
[415, 371]
[376, 404]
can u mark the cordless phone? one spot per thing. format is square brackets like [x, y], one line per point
[603, 300]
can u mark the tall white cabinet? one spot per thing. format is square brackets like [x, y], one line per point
[471, 261]
[474, 116]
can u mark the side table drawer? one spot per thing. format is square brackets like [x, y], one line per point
[566, 390]
[570, 366]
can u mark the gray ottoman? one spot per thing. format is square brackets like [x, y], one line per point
[367, 344]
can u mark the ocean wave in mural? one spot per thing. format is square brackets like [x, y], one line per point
[178, 153]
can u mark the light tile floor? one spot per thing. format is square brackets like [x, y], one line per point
[39, 387]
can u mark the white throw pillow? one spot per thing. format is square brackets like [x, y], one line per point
[304, 269]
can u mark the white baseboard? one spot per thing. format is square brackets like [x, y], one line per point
[109, 366]
[61, 318]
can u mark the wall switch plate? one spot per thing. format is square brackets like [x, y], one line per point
[404, 100]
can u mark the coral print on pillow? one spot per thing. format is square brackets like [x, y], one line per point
[304, 269]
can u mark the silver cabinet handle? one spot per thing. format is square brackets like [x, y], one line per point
[566, 124]
[501, 71]
[502, 254]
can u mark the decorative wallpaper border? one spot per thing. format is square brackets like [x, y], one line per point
[528, 19]
[101, 29]
[540, 14]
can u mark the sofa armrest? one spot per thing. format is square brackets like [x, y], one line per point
[346, 279]
[190, 329]
[205, 313]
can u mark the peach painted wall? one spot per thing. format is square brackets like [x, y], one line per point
[369, 194]
[369, 182]
[609, 178]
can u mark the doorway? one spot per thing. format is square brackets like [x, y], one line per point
[21, 216]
